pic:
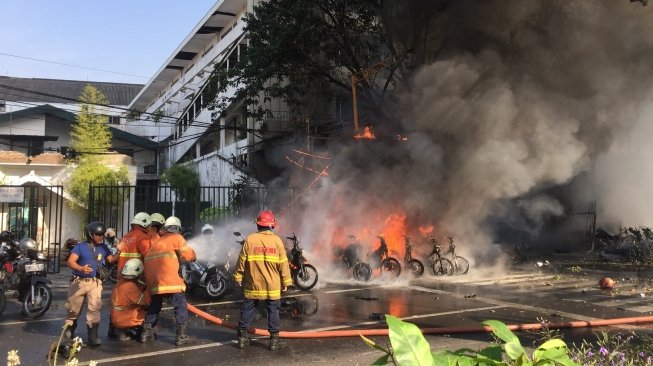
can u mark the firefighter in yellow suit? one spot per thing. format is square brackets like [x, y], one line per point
[264, 273]
[163, 281]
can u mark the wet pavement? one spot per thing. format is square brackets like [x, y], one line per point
[525, 295]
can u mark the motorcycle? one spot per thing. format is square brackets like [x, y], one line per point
[26, 274]
[304, 275]
[381, 260]
[214, 280]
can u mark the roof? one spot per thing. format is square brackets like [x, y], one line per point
[218, 17]
[68, 116]
[62, 91]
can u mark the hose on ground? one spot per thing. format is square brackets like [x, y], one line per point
[440, 330]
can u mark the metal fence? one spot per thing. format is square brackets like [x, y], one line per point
[115, 206]
[34, 211]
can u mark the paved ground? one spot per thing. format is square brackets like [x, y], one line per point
[558, 294]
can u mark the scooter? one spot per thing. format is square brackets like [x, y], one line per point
[304, 275]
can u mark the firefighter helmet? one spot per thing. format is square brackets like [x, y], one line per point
[207, 229]
[157, 218]
[141, 219]
[172, 225]
[266, 218]
[132, 269]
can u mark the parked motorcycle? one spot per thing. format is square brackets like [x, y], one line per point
[24, 270]
[304, 275]
[214, 280]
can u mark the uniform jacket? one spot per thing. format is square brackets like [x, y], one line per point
[162, 264]
[128, 304]
[263, 266]
[136, 243]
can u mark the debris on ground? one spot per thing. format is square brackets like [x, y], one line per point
[376, 316]
[606, 283]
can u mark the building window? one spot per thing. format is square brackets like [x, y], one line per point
[3, 106]
[35, 148]
[114, 120]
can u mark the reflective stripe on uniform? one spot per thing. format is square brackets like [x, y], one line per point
[118, 308]
[140, 298]
[263, 258]
[160, 255]
[259, 293]
[131, 255]
[157, 289]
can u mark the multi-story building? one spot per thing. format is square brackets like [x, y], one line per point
[171, 106]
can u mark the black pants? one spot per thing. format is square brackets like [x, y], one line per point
[248, 310]
[178, 302]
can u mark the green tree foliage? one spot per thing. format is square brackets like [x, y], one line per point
[313, 46]
[91, 139]
[90, 135]
[183, 180]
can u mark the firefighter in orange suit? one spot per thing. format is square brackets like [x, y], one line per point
[264, 273]
[129, 301]
[157, 220]
[163, 281]
[135, 243]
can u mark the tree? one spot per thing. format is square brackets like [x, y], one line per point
[90, 135]
[91, 139]
[183, 180]
[299, 49]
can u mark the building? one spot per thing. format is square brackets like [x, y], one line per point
[172, 104]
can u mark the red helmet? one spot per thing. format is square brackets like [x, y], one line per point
[266, 218]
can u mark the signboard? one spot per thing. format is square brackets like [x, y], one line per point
[12, 194]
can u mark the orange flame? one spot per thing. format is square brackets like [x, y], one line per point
[425, 230]
[366, 134]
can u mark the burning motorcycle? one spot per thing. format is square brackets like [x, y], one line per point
[415, 266]
[24, 270]
[350, 260]
[211, 278]
[304, 275]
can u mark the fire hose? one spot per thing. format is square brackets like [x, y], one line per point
[439, 330]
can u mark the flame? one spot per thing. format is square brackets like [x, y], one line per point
[426, 230]
[367, 134]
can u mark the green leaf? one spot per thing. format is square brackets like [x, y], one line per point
[368, 341]
[549, 354]
[514, 349]
[492, 352]
[552, 343]
[409, 345]
[501, 331]
[383, 360]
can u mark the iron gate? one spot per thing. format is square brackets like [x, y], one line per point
[34, 211]
[115, 206]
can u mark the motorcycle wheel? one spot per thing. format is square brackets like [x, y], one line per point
[216, 287]
[416, 267]
[391, 265]
[113, 273]
[305, 278]
[362, 272]
[43, 299]
[3, 302]
[443, 266]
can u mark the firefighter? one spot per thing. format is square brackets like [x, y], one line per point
[129, 301]
[84, 260]
[163, 281]
[157, 220]
[135, 243]
[264, 273]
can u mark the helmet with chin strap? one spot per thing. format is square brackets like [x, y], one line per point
[266, 219]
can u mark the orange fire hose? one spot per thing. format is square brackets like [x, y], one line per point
[442, 330]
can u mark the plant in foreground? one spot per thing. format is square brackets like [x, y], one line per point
[614, 349]
[409, 347]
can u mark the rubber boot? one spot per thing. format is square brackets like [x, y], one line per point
[147, 335]
[69, 333]
[93, 339]
[276, 342]
[181, 337]
[112, 332]
[122, 335]
[243, 338]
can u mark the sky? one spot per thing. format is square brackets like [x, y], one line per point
[121, 36]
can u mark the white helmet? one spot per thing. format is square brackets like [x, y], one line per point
[110, 233]
[157, 218]
[141, 219]
[207, 229]
[171, 223]
[132, 269]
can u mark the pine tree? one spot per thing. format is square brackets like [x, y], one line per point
[90, 136]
